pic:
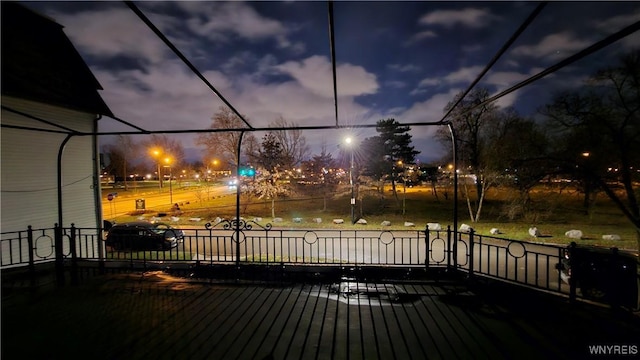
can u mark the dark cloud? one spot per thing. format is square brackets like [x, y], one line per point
[404, 60]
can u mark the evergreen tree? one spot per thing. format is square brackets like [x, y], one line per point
[385, 150]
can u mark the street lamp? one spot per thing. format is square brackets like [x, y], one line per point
[168, 162]
[215, 163]
[156, 154]
[349, 142]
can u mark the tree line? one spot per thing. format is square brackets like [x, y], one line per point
[589, 134]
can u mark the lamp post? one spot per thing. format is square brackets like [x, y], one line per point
[168, 162]
[215, 163]
[349, 142]
[156, 154]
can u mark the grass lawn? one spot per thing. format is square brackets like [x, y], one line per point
[552, 210]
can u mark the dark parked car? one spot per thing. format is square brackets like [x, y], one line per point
[603, 274]
[142, 235]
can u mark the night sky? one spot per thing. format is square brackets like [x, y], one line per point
[402, 60]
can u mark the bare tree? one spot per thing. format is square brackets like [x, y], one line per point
[513, 150]
[597, 133]
[293, 143]
[164, 151]
[224, 145]
[470, 125]
[120, 154]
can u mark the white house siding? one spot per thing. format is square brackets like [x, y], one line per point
[29, 169]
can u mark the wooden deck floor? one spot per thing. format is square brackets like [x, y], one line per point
[160, 317]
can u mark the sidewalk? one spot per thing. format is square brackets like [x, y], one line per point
[157, 316]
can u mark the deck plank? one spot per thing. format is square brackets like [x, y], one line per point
[385, 345]
[256, 317]
[410, 327]
[427, 331]
[457, 317]
[137, 319]
[276, 332]
[340, 348]
[285, 342]
[222, 319]
[313, 340]
[298, 346]
[354, 330]
[450, 345]
[325, 343]
[261, 337]
[367, 330]
[183, 319]
[396, 336]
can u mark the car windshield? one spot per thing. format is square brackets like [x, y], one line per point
[160, 228]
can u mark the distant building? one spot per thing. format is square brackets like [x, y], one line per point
[49, 101]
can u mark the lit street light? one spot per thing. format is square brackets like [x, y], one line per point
[168, 161]
[156, 155]
[349, 142]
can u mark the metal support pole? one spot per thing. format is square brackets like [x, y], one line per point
[353, 198]
[59, 262]
[32, 266]
[427, 243]
[238, 186]
[471, 253]
[74, 255]
[59, 254]
[448, 249]
[98, 198]
[455, 194]
[60, 151]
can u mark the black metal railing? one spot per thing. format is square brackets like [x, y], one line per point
[28, 247]
[247, 242]
[516, 261]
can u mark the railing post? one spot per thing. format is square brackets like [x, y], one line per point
[572, 277]
[448, 249]
[101, 248]
[74, 255]
[427, 237]
[59, 262]
[471, 252]
[32, 266]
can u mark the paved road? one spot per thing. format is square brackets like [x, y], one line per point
[124, 203]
